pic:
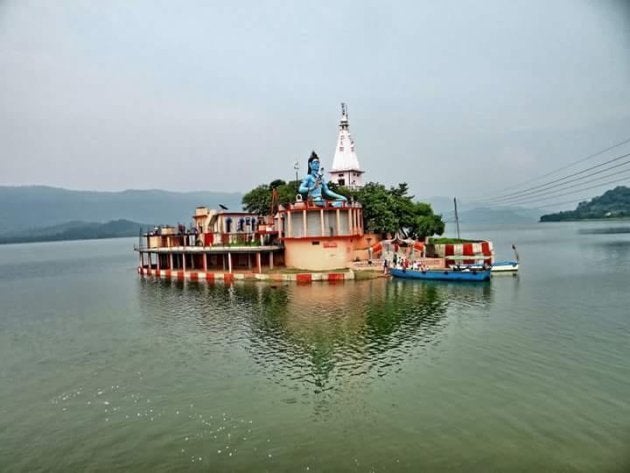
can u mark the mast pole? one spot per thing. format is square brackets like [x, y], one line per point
[456, 216]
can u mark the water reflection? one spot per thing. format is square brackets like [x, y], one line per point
[315, 334]
[604, 231]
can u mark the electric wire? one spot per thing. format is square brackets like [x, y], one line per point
[555, 171]
[537, 199]
[542, 187]
[565, 185]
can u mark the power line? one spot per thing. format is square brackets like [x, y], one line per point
[541, 187]
[590, 156]
[565, 185]
[536, 199]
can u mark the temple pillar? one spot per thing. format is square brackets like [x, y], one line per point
[350, 224]
[289, 224]
[321, 221]
[338, 222]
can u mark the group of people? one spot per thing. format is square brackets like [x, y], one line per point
[404, 263]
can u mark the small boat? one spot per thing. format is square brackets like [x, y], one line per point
[442, 274]
[505, 266]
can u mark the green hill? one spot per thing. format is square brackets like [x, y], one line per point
[76, 231]
[614, 203]
[28, 207]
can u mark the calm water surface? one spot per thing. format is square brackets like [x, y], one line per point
[101, 370]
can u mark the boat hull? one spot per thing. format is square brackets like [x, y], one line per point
[442, 275]
[505, 267]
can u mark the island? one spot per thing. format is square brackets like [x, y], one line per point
[614, 203]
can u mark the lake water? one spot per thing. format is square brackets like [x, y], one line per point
[101, 370]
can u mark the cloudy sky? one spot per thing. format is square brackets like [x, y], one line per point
[454, 97]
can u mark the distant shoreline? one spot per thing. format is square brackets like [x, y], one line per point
[599, 219]
[17, 241]
[72, 231]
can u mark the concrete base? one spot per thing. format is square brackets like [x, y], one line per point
[299, 278]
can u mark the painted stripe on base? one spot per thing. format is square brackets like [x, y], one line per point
[300, 278]
[304, 278]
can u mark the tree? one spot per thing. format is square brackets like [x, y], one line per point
[258, 200]
[385, 210]
[393, 210]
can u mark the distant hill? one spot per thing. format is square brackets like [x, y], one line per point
[484, 215]
[614, 203]
[30, 207]
[76, 231]
[476, 213]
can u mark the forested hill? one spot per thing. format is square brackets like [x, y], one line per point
[23, 209]
[614, 203]
[77, 231]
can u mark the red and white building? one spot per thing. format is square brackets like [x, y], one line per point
[300, 236]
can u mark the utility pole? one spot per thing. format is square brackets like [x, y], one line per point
[456, 216]
[296, 166]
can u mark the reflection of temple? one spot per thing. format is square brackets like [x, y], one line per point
[317, 335]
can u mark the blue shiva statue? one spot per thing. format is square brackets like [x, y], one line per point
[314, 184]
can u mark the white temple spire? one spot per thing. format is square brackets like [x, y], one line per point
[345, 169]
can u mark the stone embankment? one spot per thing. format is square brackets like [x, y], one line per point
[212, 276]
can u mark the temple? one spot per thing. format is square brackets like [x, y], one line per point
[346, 170]
[320, 233]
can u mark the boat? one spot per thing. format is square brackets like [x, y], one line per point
[496, 267]
[510, 266]
[505, 266]
[471, 275]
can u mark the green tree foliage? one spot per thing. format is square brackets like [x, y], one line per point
[394, 210]
[287, 192]
[385, 210]
[258, 200]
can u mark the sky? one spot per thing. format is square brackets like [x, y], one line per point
[456, 98]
